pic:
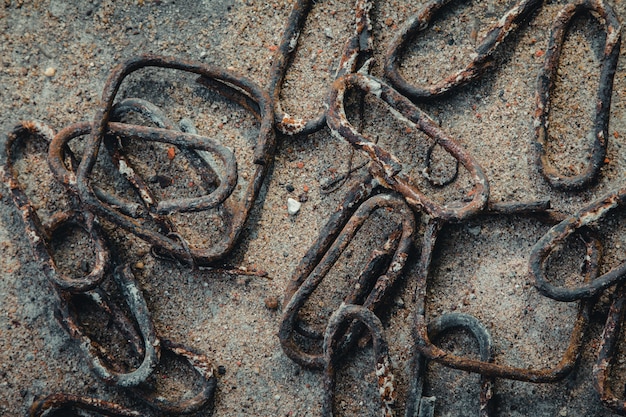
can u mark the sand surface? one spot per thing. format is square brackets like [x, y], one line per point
[55, 57]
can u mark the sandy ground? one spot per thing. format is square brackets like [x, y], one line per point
[480, 266]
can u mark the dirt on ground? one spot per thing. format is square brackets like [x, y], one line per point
[55, 58]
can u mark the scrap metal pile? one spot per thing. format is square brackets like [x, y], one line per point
[110, 286]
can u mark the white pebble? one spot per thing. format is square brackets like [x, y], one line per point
[50, 71]
[293, 206]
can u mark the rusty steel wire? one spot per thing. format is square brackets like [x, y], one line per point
[421, 406]
[39, 233]
[230, 85]
[146, 342]
[196, 157]
[551, 373]
[606, 17]
[477, 63]
[189, 403]
[356, 50]
[387, 168]
[559, 233]
[373, 280]
[607, 353]
[60, 404]
[427, 172]
[345, 314]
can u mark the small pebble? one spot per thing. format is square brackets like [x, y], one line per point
[271, 302]
[140, 265]
[474, 231]
[163, 180]
[289, 188]
[243, 280]
[293, 206]
[221, 370]
[50, 71]
[399, 302]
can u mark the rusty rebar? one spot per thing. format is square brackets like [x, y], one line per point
[347, 313]
[356, 50]
[231, 86]
[479, 61]
[552, 373]
[200, 365]
[387, 168]
[606, 17]
[59, 404]
[554, 237]
[106, 368]
[607, 353]
[420, 406]
[374, 280]
[39, 234]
